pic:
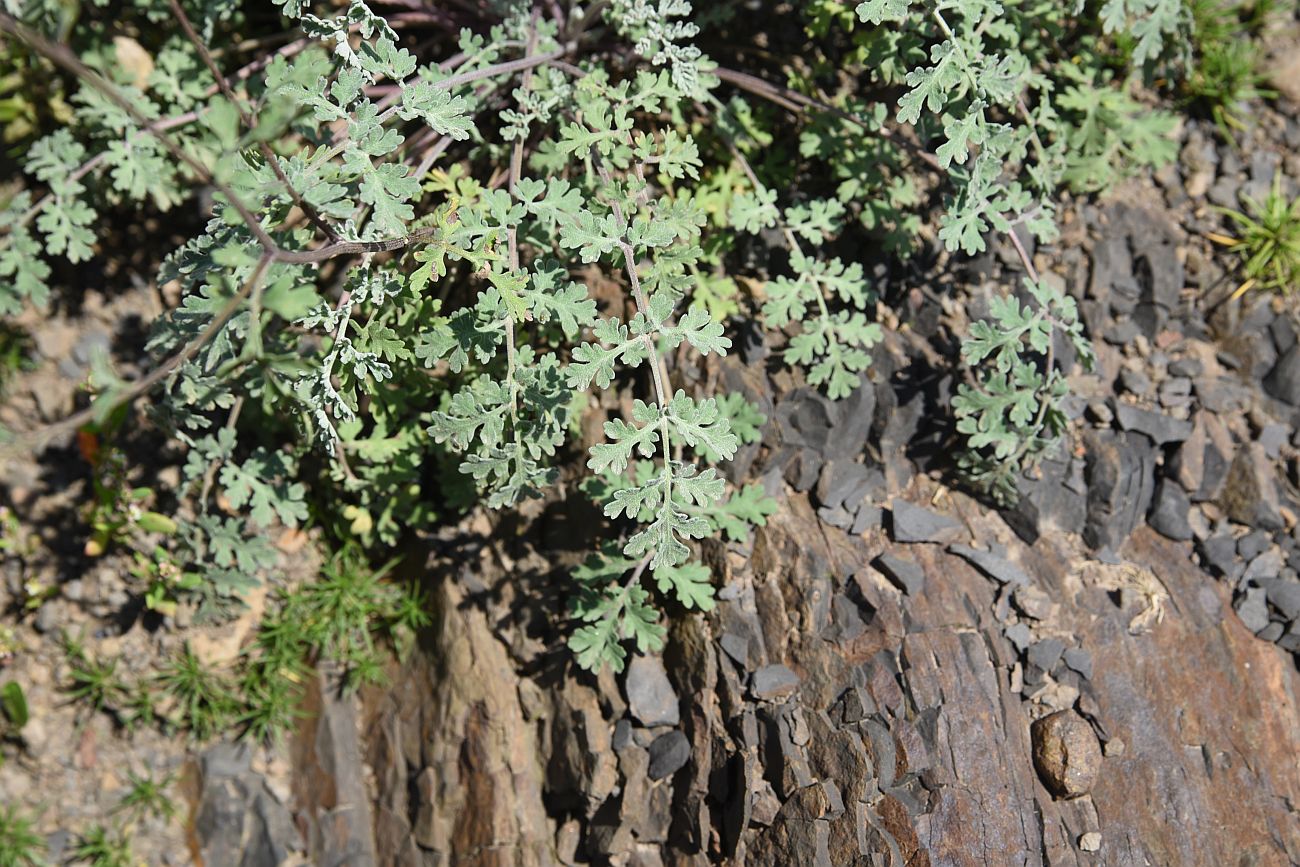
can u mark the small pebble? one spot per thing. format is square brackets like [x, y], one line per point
[1135, 382]
[1090, 842]
[1099, 412]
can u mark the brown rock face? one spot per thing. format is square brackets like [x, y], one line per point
[1066, 753]
[1250, 495]
[909, 741]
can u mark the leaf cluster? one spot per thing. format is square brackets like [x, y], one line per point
[417, 276]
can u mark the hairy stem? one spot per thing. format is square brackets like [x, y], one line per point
[248, 123]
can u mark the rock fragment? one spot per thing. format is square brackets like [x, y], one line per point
[1046, 653]
[1285, 597]
[669, 753]
[1219, 555]
[1169, 512]
[1252, 608]
[1250, 494]
[1162, 429]
[650, 695]
[1283, 382]
[1121, 480]
[1034, 602]
[774, 682]
[915, 524]
[1079, 660]
[998, 568]
[905, 574]
[1066, 753]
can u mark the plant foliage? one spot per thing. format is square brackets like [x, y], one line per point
[417, 273]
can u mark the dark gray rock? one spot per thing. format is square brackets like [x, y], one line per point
[1123, 333]
[1046, 653]
[737, 647]
[1169, 511]
[914, 524]
[848, 618]
[786, 762]
[1283, 331]
[906, 575]
[56, 847]
[1223, 394]
[1253, 544]
[669, 753]
[1272, 632]
[847, 484]
[1252, 608]
[1121, 481]
[837, 430]
[238, 823]
[1187, 367]
[774, 682]
[1054, 499]
[650, 696]
[855, 705]
[1135, 381]
[1273, 437]
[48, 618]
[803, 469]
[622, 737]
[1135, 267]
[1019, 635]
[1263, 570]
[806, 418]
[1290, 641]
[998, 568]
[868, 518]
[1219, 555]
[1175, 392]
[1224, 192]
[1285, 597]
[1283, 382]
[742, 635]
[836, 516]
[1263, 163]
[1162, 429]
[1112, 265]
[1079, 660]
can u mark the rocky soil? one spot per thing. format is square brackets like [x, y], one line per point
[896, 673]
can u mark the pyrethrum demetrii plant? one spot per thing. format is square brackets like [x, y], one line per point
[412, 263]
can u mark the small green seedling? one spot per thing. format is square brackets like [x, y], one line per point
[20, 845]
[164, 581]
[148, 797]
[1268, 242]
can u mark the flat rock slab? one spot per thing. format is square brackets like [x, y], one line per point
[774, 682]
[915, 524]
[998, 568]
[650, 696]
[905, 574]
